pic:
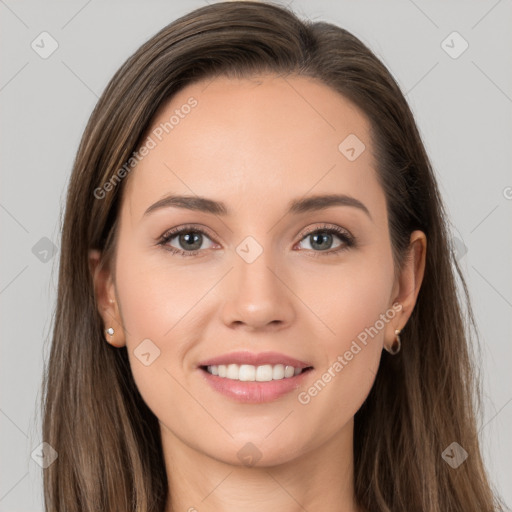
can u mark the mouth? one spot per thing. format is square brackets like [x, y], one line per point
[253, 373]
[254, 378]
[251, 384]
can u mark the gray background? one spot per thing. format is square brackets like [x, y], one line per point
[462, 106]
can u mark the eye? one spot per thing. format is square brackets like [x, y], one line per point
[189, 237]
[190, 240]
[320, 240]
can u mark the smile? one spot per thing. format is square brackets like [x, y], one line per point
[251, 373]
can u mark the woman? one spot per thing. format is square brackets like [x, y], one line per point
[209, 351]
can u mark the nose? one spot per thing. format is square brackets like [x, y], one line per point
[258, 295]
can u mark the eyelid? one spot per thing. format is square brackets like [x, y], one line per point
[190, 227]
[325, 226]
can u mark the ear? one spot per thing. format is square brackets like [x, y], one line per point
[104, 290]
[408, 284]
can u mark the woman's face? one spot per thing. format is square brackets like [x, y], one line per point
[265, 276]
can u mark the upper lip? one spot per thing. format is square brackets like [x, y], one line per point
[255, 359]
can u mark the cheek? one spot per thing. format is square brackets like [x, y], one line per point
[158, 311]
[349, 298]
[157, 300]
[355, 308]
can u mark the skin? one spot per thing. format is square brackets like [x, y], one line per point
[256, 145]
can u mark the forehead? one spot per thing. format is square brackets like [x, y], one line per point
[251, 141]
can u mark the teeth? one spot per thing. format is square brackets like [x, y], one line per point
[248, 372]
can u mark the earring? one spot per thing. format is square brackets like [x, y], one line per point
[397, 344]
[110, 331]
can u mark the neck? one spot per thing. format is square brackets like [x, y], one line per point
[317, 479]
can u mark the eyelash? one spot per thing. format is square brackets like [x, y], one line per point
[349, 240]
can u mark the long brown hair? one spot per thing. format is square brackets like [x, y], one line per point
[108, 441]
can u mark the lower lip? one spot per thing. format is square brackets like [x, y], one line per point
[253, 392]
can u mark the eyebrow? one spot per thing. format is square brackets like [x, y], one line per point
[308, 204]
